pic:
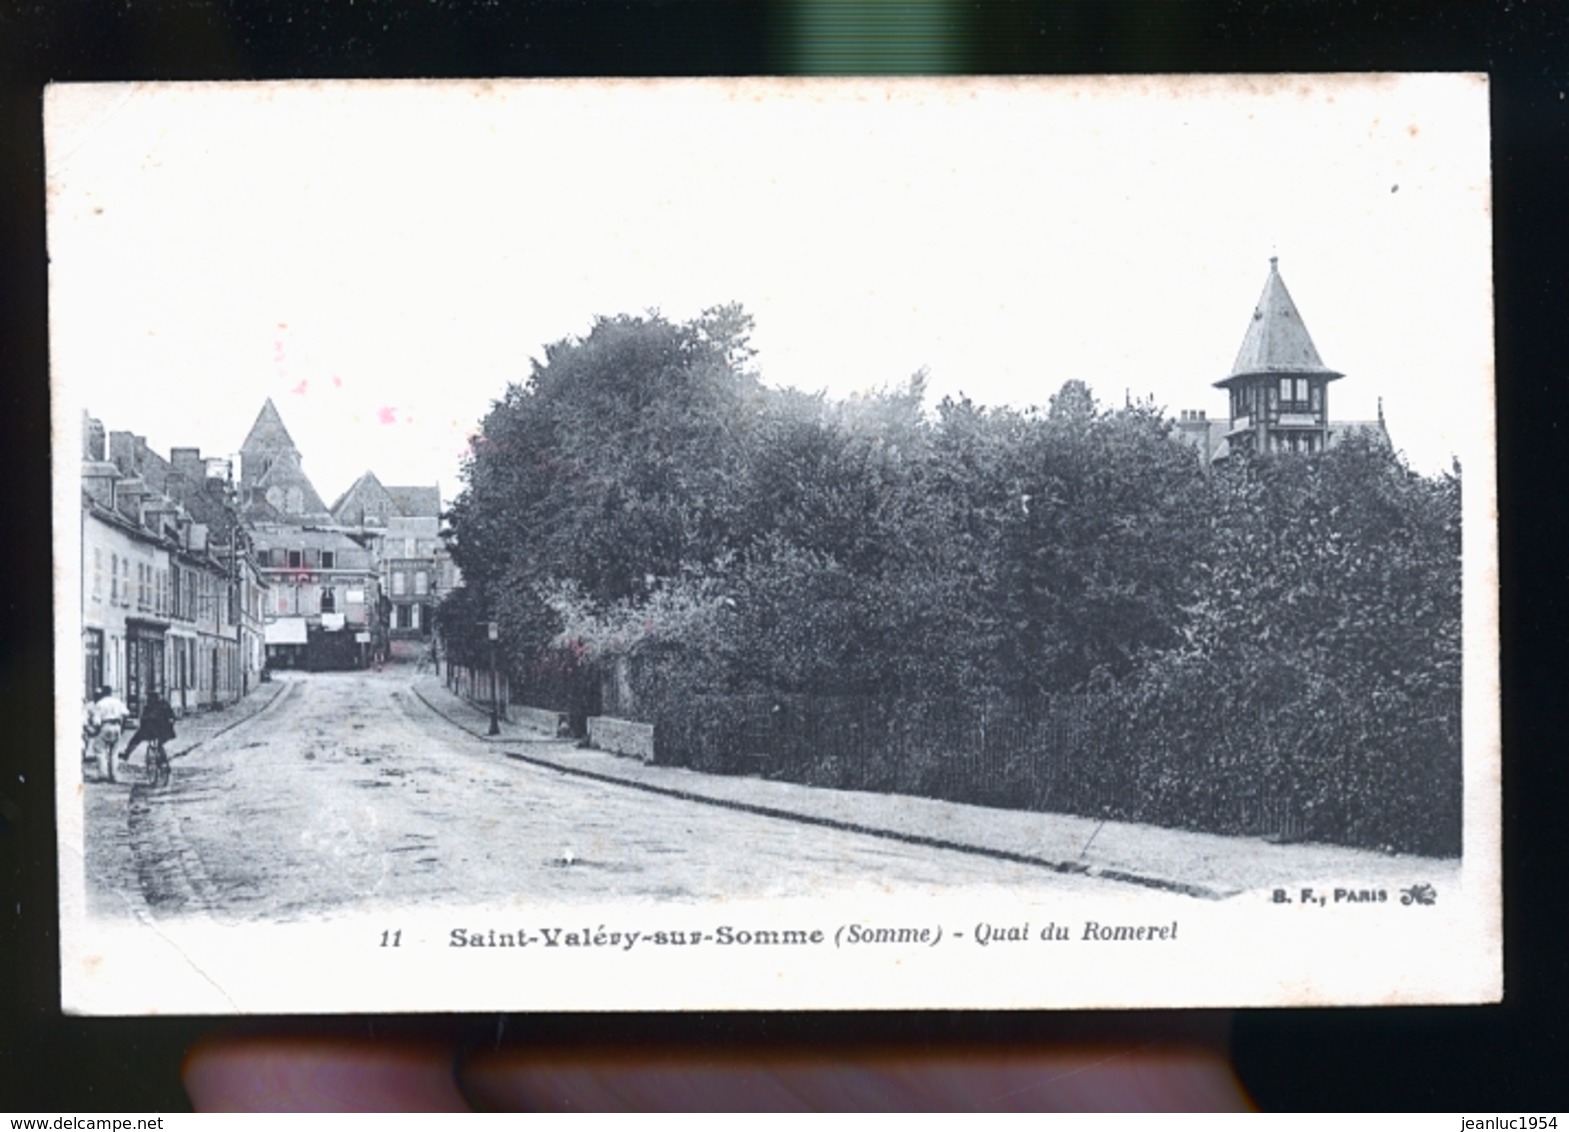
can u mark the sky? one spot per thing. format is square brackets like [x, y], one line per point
[382, 259]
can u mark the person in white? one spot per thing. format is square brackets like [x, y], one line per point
[106, 718]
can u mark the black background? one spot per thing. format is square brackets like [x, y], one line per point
[1509, 1058]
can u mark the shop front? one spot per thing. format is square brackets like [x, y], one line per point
[286, 643]
[144, 661]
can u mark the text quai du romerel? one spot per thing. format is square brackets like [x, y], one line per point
[846, 935]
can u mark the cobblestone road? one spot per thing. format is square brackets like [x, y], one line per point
[348, 789]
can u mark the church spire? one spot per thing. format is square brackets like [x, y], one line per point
[268, 434]
[271, 472]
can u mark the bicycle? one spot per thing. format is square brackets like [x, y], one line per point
[156, 769]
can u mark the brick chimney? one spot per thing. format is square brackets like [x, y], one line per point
[125, 450]
[189, 465]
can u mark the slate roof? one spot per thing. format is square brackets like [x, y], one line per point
[417, 502]
[367, 497]
[257, 510]
[1341, 430]
[268, 434]
[285, 473]
[1277, 340]
[363, 498]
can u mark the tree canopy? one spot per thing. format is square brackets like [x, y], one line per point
[643, 494]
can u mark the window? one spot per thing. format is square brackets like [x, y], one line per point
[414, 616]
[422, 582]
[329, 560]
[329, 602]
[1294, 394]
[98, 582]
[93, 661]
[399, 581]
[114, 579]
[294, 560]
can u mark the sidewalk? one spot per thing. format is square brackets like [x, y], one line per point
[1203, 865]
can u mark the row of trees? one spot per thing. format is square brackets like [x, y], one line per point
[643, 494]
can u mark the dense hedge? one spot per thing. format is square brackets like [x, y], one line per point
[1305, 769]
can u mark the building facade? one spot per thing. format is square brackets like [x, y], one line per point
[323, 588]
[166, 576]
[324, 605]
[195, 581]
[403, 525]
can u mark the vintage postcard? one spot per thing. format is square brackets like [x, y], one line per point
[774, 544]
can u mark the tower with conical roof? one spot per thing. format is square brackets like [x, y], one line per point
[1279, 386]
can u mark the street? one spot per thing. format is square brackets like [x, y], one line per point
[349, 790]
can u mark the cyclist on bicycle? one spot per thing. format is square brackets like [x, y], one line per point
[157, 724]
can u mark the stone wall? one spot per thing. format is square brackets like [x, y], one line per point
[622, 737]
[540, 719]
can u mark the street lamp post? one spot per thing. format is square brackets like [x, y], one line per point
[492, 630]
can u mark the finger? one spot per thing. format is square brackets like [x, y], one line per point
[274, 1073]
[1088, 1078]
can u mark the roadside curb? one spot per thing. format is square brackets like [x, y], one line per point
[414, 688]
[1066, 867]
[230, 725]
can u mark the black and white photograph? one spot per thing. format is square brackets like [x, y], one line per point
[774, 544]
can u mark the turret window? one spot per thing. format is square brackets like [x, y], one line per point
[1294, 394]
